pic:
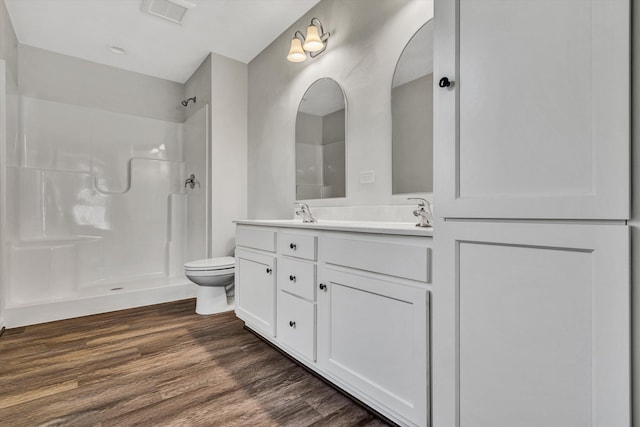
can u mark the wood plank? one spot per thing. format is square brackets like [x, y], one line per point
[160, 365]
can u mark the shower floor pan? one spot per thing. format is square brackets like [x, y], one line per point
[100, 298]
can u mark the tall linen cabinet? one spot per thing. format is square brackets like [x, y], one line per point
[531, 307]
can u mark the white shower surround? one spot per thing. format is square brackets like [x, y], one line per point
[96, 202]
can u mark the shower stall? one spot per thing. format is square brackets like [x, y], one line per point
[96, 215]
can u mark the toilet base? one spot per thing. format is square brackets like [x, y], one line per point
[211, 300]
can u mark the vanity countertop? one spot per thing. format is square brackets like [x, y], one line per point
[399, 228]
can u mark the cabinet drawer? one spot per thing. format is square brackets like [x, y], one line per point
[379, 256]
[297, 324]
[297, 277]
[256, 238]
[298, 245]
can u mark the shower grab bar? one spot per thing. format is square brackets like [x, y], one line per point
[94, 176]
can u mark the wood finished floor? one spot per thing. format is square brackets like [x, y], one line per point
[161, 365]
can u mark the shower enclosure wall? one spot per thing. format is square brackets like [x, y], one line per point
[98, 216]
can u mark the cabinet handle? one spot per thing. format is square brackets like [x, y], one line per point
[444, 82]
[268, 270]
[292, 246]
[323, 287]
[292, 278]
[292, 324]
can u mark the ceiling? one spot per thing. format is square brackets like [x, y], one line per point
[238, 29]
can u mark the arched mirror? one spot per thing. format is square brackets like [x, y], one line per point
[412, 115]
[320, 142]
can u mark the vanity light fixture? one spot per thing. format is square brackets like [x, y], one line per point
[315, 42]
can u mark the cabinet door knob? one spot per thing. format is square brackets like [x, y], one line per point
[292, 324]
[268, 270]
[292, 246]
[323, 286]
[292, 278]
[444, 82]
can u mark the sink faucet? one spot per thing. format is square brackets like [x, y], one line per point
[424, 213]
[304, 211]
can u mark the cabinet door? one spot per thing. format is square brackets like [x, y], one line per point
[256, 290]
[536, 124]
[373, 334]
[533, 325]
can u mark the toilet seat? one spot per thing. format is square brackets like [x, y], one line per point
[215, 266]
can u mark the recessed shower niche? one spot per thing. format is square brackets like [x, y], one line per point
[99, 201]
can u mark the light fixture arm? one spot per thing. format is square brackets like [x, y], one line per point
[323, 36]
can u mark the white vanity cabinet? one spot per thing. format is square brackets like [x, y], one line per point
[296, 306]
[531, 145]
[256, 270]
[373, 319]
[353, 306]
[536, 123]
[533, 329]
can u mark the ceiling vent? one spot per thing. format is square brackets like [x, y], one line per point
[171, 10]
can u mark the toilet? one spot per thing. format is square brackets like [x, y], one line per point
[213, 276]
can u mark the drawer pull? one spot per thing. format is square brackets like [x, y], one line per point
[268, 270]
[292, 278]
[292, 246]
[323, 287]
[292, 324]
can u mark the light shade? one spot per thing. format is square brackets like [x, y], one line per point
[296, 54]
[312, 40]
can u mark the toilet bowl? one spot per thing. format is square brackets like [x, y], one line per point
[212, 275]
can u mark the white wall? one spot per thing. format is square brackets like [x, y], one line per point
[361, 56]
[8, 126]
[222, 83]
[61, 78]
[635, 212]
[228, 151]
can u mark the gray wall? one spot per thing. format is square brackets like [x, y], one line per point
[366, 42]
[635, 212]
[55, 77]
[412, 112]
[8, 42]
[308, 156]
[334, 127]
[333, 154]
[199, 85]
